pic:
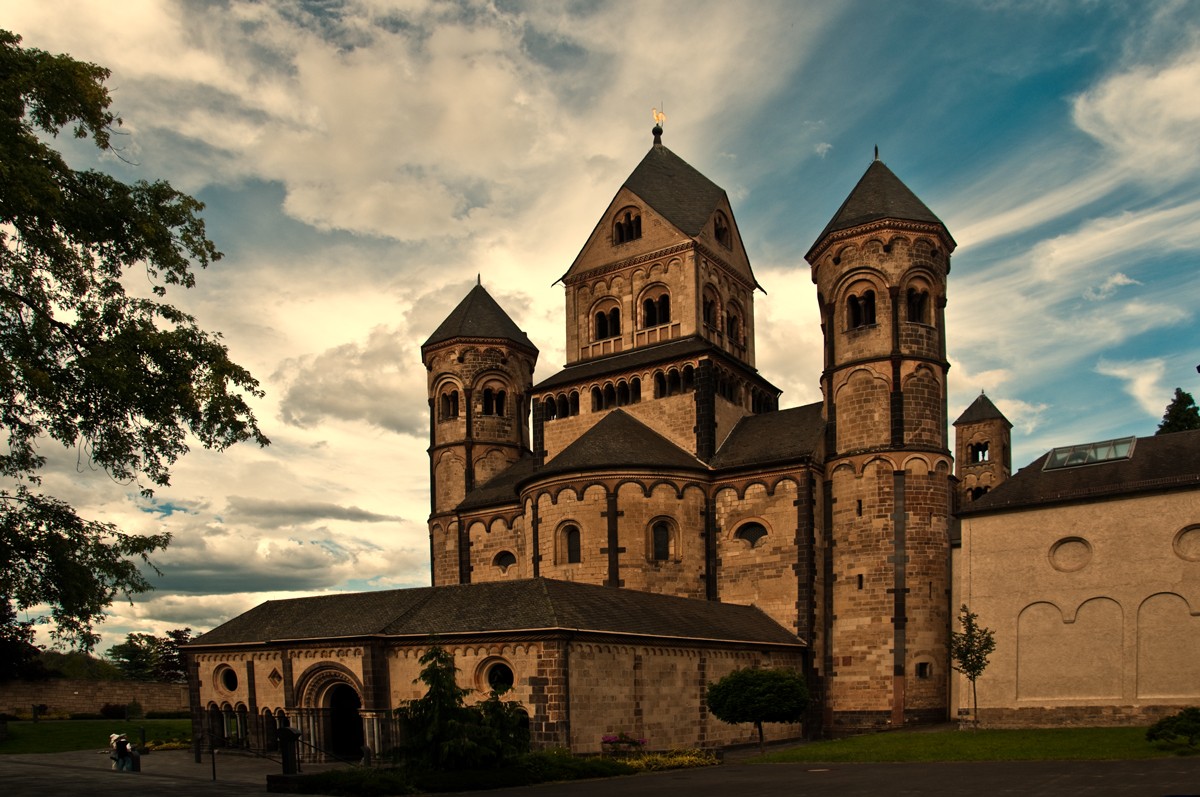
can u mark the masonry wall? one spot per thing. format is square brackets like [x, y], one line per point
[656, 694]
[1095, 608]
[65, 696]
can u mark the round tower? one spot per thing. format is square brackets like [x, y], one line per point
[880, 267]
[480, 371]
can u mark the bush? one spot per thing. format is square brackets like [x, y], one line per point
[674, 759]
[1181, 728]
[112, 711]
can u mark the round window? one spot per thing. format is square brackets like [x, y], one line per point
[228, 679]
[499, 677]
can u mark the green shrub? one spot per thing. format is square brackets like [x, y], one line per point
[112, 711]
[674, 759]
[1181, 728]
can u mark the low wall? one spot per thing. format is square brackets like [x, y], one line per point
[63, 696]
[1072, 716]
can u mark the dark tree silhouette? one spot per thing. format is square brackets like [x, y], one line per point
[758, 696]
[1182, 415]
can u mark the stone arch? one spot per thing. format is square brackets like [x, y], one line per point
[863, 411]
[922, 407]
[1168, 647]
[1094, 635]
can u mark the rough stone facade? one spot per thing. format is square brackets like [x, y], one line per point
[64, 696]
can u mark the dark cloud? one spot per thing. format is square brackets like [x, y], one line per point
[272, 514]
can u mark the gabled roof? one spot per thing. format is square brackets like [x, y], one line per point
[676, 190]
[479, 316]
[981, 409]
[535, 604]
[879, 194]
[618, 440]
[772, 437]
[1161, 462]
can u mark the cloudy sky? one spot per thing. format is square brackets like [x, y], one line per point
[363, 160]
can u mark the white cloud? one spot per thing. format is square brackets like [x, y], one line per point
[1142, 379]
[1108, 287]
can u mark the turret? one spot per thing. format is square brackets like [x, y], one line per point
[983, 449]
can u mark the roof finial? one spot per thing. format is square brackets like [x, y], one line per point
[876, 152]
[659, 118]
[479, 279]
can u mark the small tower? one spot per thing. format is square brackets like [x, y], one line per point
[480, 367]
[983, 449]
[880, 266]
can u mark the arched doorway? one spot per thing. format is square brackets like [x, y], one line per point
[345, 738]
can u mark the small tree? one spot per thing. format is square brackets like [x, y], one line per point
[758, 696]
[970, 649]
[442, 732]
[1182, 414]
[1182, 727]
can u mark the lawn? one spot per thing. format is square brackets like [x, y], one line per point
[60, 736]
[1059, 744]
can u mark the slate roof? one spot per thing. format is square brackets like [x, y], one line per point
[644, 356]
[981, 409]
[1162, 462]
[535, 604]
[879, 194]
[479, 316]
[500, 489]
[676, 190]
[773, 437]
[619, 440]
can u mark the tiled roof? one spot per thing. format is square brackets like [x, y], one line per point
[981, 409]
[879, 195]
[498, 607]
[501, 489]
[772, 437]
[644, 356]
[682, 195]
[618, 440]
[478, 316]
[1162, 462]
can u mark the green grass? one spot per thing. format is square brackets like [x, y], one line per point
[61, 736]
[1057, 744]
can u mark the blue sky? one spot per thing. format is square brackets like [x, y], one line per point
[363, 160]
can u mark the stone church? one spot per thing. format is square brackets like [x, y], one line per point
[609, 540]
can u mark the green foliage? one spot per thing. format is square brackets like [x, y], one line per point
[758, 696]
[1181, 728]
[79, 665]
[969, 650]
[673, 759]
[442, 732]
[122, 379]
[1182, 414]
[19, 656]
[145, 657]
[61, 736]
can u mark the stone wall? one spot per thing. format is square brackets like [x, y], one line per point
[63, 697]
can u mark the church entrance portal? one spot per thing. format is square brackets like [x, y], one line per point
[345, 737]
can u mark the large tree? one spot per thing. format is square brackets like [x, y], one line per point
[126, 381]
[1181, 415]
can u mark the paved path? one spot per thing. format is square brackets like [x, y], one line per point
[175, 774]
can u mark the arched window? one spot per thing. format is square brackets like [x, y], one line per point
[751, 533]
[674, 383]
[635, 390]
[656, 307]
[493, 401]
[574, 402]
[660, 384]
[978, 493]
[504, 560]
[662, 541]
[571, 545]
[918, 306]
[610, 396]
[607, 322]
[627, 226]
[597, 400]
[689, 379]
[448, 409]
[860, 310]
[549, 409]
[978, 452]
[733, 324]
[564, 408]
[622, 393]
[721, 230]
[602, 326]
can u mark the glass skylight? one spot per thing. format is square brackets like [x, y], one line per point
[1090, 453]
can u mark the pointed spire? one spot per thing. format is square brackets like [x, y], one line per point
[981, 409]
[479, 279]
[876, 152]
[479, 316]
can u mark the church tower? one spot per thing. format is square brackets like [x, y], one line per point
[880, 267]
[983, 449]
[480, 371]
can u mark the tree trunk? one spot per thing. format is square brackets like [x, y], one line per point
[762, 747]
[974, 706]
